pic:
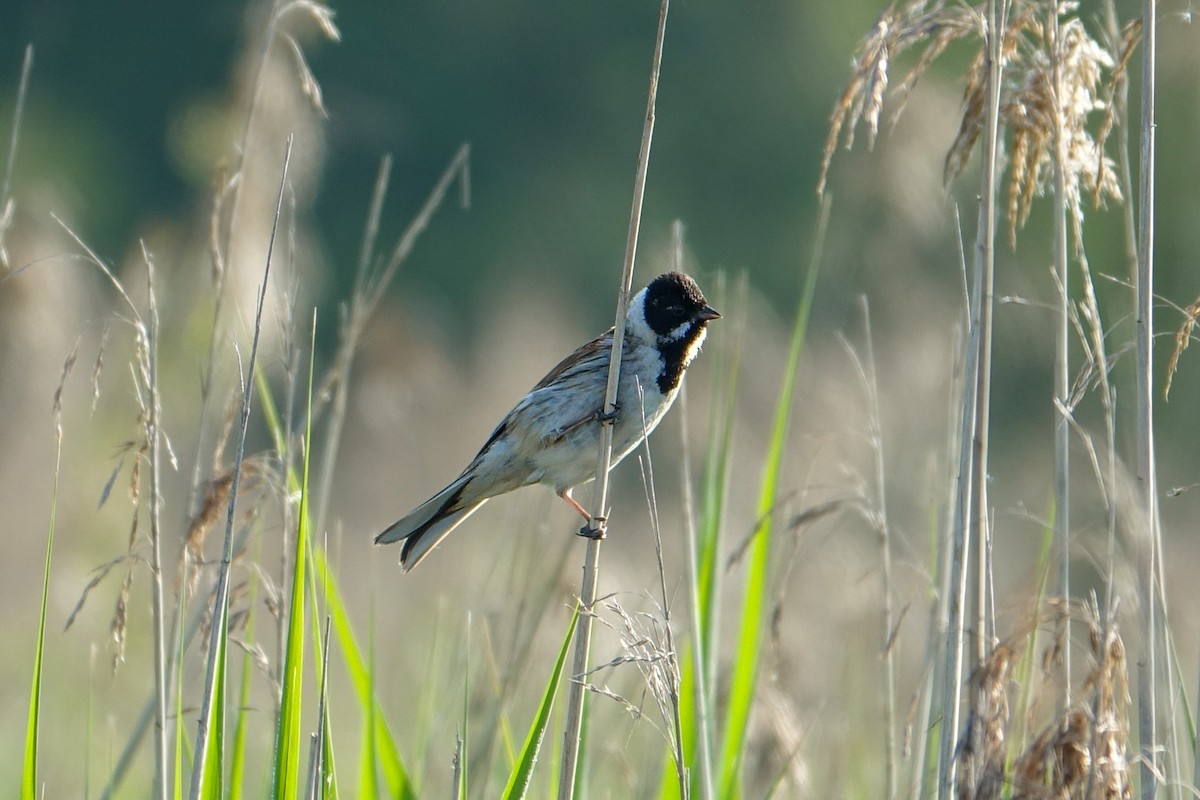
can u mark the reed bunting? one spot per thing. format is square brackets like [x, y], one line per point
[552, 435]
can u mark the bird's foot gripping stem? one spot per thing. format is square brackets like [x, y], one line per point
[599, 531]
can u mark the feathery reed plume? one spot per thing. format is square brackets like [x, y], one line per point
[918, 23]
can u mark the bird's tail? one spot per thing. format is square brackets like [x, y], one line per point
[427, 524]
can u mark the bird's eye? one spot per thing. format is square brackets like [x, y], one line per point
[675, 310]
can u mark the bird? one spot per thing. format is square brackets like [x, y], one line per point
[552, 435]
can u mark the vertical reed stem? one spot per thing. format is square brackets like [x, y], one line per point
[591, 563]
[1146, 479]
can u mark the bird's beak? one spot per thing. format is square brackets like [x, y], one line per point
[708, 312]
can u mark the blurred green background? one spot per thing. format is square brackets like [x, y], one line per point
[550, 96]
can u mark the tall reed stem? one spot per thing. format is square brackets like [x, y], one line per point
[972, 511]
[1146, 478]
[1062, 378]
[591, 563]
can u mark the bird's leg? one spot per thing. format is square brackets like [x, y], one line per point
[587, 531]
[565, 494]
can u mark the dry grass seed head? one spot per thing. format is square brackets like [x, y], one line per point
[894, 32]
[98, 367]
[642, 642]
[1057, 763]
[1108, 686]
[1040, 112]
[98, 575]
[216, 498]
[1131, 36]
[1183, 338]
[56, 406]
[981, 749]
[975, 91]
[119, 626]
[322, 15]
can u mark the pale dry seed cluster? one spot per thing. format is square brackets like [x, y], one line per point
[1035, 107]
[1079, 754]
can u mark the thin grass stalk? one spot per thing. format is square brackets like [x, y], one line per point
[1146, 476]
[985, 247]
[177, 630]
[237, 761]
[382, 752]
[591, 565]
[289, 358]
[368, 780]
[29, 780]
[156, 708]
[924, 722]
[317, 766]
[971, 507]
[716, 486]
[522, 773]
[672, 672]
[1062, 376]
[15, 134]
[985, 253]
[1125, 171]
[879, 512]
[286, 777]
[943, 546]
[952, 627]
[29, 768]
[146, 715]
[461, 736]
[221, 251]
[457, 777]
[457, 168]
[162, 678]
[221, 599]
[1196, 760]
[369, 290]
[333, 433]
[703, 722]
[755, 611]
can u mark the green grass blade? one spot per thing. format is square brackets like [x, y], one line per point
[715, 491]
[705, 572]
[702, 665]
[212, 785]
[367, 784]
[321, 663]
[29, 776]
[286, 780]
[754, 605]
[237, 768]
[390, 765]
[518, 781]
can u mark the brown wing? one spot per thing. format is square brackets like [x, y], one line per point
[595, 348]
[584, 354]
